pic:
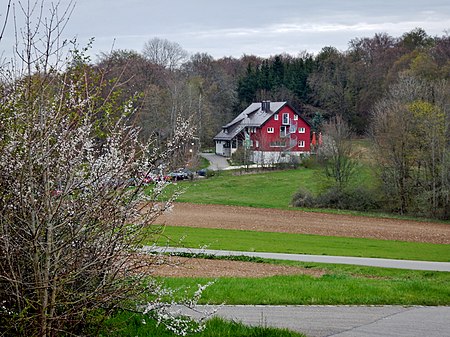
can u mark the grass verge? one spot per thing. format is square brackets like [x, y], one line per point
[125, 324]
[243, 240]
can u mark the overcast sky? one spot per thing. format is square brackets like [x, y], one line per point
[238, 27]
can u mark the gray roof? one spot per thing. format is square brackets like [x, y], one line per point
[253, 116]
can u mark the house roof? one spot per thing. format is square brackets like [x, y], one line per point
[253, 116]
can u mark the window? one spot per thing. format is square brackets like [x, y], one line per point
[301, 130]
[275, 117]
[295, 117]
[283, 131]
[270, 130]
[286, 118]
[278, 143]
[301, 143]
[256, 143]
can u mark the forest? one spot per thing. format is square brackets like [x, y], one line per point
[167, 83]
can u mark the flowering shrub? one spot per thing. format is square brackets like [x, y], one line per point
[71, 228]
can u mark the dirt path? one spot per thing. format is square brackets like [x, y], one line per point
[274, 220]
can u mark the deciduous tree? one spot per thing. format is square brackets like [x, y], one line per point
[164, 53]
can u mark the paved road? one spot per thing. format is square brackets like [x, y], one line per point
[385, 263]
[344, 321]
[216, 162]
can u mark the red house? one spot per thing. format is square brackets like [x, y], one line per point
[271, 131]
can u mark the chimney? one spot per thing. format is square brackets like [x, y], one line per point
[265, 106]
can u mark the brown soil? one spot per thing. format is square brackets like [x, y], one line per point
[295, 221]
[190, 267]
[273, 220]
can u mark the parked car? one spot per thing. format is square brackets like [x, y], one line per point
[181, 174]
[202, 172]
[205, 173]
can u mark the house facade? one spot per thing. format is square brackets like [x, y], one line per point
[271, 131]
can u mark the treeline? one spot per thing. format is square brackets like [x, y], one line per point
[167, 84]
[346, 83]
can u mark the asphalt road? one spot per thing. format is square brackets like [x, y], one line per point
[343, 321]
[217, 163]
[339, 321]
[385, 263]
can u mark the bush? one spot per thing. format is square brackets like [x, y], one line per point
[303, 198]
[210, 173]
[357, 199]
[309, 162]
[241, 157]
[331, 198]
[363, 199]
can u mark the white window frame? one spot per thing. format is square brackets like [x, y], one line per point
[301, 130]
[301, 143]
[275, 117]
[270, 130]
[285, 120]
[256, 143]
[285, 133]
[295, 117]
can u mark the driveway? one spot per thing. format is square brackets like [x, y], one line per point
[343, 321]
[217, 163]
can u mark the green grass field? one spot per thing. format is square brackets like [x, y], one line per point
[268, 190]
[241, 240]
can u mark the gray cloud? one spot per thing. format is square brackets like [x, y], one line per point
[237, 27]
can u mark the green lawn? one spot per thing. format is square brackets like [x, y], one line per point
[273, 189]
[240, 240]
